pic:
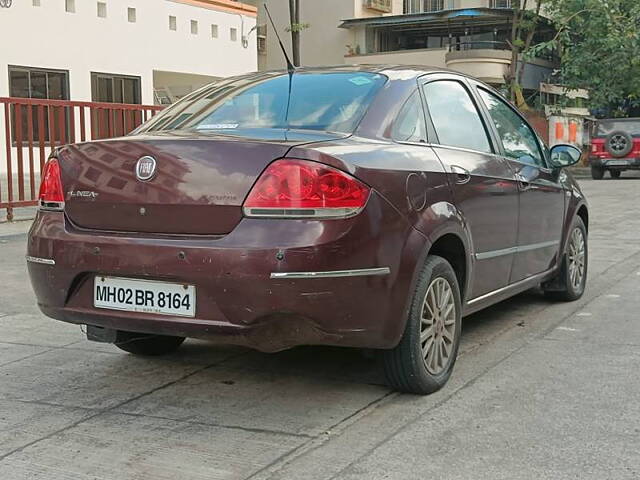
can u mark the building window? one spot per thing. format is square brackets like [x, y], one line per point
[214, 31]
[131, 15]
[421, 6]
[500, 4]
[194, 27]
[36, 3]
[102, 10]
[233, 34]
[70, 6]
[28, 82]
[262, 39]
[173, 24]
[110, 88]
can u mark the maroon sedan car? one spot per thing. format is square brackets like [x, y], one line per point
[368, 207]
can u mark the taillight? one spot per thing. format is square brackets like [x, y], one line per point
[51, 196]
[300, 189]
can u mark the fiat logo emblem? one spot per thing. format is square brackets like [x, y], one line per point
[146, 168]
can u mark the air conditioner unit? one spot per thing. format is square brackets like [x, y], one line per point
[378, 5]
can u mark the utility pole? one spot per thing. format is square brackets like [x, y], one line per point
[294, 17]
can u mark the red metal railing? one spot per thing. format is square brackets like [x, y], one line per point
[34, 127]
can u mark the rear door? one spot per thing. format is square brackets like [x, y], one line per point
[541, 195]
[484, 187]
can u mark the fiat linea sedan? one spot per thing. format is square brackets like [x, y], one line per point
[369, 207]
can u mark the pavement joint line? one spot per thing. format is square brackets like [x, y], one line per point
[219, 425]
[319, 440]
[27, 357]
[589, 342]
[526, 342]
[111, 409]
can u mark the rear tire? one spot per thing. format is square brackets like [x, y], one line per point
[615, 173]
[570, 283]
[597, 173]
[423, 360]
[145, 344]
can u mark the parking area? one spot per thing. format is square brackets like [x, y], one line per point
[541, 390]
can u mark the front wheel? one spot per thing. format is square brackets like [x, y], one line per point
[423, 360]
[145, 344]
[615, 173]
[571, 280]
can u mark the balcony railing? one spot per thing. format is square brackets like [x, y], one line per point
[500, 3]
[425, 6]
[33, 128]
[479, 45]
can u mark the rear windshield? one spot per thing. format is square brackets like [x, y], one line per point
[334, 102]
[605, 127]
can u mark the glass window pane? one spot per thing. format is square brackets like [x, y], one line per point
[455, 117]
[409, 126]
[105, 90]
[38, 85]
[130, 86]
[117, 90]
[57, 86]
[518, 139]
[330, 102]
[19, 84]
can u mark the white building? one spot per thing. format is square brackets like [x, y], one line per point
[131, 51]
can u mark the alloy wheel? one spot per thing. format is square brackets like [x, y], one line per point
[438, 325]
[576, 258]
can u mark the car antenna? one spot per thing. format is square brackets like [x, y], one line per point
[290, 67]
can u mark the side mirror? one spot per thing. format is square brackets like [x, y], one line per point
[564, 155]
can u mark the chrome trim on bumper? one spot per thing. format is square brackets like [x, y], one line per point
[43, 261]
[334, 273]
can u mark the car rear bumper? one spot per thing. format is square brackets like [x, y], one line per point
[617, 163]
[270, 284]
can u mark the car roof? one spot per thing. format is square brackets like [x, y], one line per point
[417, 70]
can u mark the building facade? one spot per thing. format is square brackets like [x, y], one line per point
[469, 36]
[129, 51]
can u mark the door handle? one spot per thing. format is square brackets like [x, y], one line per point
[461, 175]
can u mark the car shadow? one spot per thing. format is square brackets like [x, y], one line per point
[360, 366]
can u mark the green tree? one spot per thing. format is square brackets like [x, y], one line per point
[599, 46]
[526, 17]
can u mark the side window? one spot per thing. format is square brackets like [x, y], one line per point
[410, 126]
[455, 116]
[518, 139]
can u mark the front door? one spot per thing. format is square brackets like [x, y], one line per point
[541, 196]
[484, 187]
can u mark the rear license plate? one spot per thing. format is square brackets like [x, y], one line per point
[144, 296]
[617, 163]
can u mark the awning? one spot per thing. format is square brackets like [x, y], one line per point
[443, 17]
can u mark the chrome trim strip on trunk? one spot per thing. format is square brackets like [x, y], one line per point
[519, 249]
[334, 273]
[43, 261]
[510, 286]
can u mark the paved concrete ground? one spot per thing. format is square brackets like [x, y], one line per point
[541, 390]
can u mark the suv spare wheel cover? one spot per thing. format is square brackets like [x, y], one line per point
[619, 143]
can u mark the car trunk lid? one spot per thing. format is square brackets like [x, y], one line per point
[200, 183]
